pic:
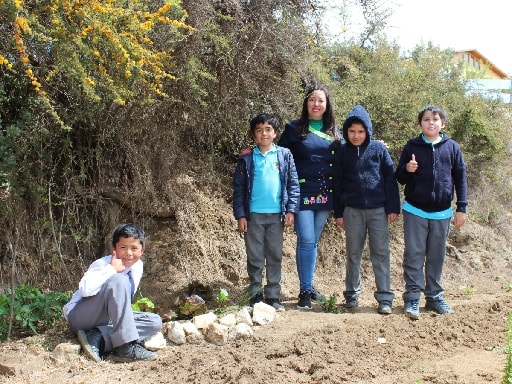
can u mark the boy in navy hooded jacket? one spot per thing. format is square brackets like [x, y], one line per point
[366, 201]
[433, 171]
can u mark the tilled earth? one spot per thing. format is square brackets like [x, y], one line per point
[361, 346]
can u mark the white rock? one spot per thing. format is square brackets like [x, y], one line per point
[381, 340]
[229, 320]
[64, 351]
[217, 334]
[203, 321]
[243, 316]
[190, 328]
[263, 313]
[242, 331]
[155, 342]
[175, 333]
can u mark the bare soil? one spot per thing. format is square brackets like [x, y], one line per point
[360, 346]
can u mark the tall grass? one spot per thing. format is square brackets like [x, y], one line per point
[507, 379]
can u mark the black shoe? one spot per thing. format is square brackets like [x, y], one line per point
[304, 300]
[133, 351]
[316, 295]
[439, 306]
[256, 299]
[276, 303]
[351, 303]
[385, 308]
[92, 343]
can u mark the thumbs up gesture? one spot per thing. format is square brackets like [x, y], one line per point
[116, 262]
[412, 165]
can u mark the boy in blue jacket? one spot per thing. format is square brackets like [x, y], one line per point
[431, 167]
[366, 201]
[265, 199]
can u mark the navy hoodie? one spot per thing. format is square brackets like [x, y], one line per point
[441, 175]
[364, 176]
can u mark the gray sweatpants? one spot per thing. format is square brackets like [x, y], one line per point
[358, 223]
[424, 255]
[264, 248]
[110, 311]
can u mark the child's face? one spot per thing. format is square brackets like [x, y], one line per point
[317, 104]
[431, 125]
[264, 135]
[356, 134]
[129, 250]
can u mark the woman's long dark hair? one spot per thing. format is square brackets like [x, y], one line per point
[329, 125]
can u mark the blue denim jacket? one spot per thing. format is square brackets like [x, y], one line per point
[243, 179]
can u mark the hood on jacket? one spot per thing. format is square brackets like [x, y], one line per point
[360, 115]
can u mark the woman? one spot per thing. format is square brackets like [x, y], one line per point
[312, 139]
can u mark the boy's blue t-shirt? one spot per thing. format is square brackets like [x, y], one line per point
[266, 187]
[442, 215]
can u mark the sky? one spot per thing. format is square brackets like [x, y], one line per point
[450, 24]
[459, 25]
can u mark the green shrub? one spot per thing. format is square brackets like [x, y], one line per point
[507, 379]
[33, 311]
[328, 305]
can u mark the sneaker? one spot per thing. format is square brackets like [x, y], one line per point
[276, 303]
[133, 351]
[256, 299]
[439, 306]
[304, 300]
[412, 309]
[385, 308]
[92, 343]
[316, 295]
[352, 303]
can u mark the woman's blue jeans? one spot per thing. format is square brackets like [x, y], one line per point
[308, 228]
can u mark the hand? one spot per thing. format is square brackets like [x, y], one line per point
[117, 263]
[412, 165]
[340, 223]
[245, 151]
[242, 225]
[392, 217]
[289, 219]
[459, 219]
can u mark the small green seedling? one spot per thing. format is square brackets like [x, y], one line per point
[467, 290]
[328, 305]
[222, 297]
[507, 287]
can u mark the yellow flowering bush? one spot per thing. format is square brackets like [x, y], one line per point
[104, 46]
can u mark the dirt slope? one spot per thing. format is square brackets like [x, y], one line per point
[468, 346]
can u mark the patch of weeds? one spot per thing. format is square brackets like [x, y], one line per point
[328, 305]
[32, 310]
[467, 290]
[244, 299]
[507, 378]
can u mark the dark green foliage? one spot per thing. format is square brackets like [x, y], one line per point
[507, 378]
[33, 311]
[186, 307]
[328, 305]
[75, 166]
